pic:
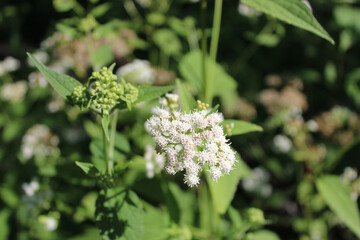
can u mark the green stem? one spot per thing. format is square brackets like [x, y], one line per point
[112, 141]
[204, 47]
[215, 34]
[106, 153]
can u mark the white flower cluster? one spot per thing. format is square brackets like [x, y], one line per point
[190, 141]
[31, 188]
[258, 182]
[282, 143]
[9, 64]
[14, 92]
[137, 72]
[154, 162]
[40, 143]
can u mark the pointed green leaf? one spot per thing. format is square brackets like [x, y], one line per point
[147, 93]
[293, 12]
[337, 197]
[223, 191]
[63, 84]
[186, 99]
[119, 214]
[240, 127]
[111, 68]
[88, 168]
[105, 125]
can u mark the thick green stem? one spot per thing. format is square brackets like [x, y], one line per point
[112, 141]
[204, 48]
[106, 153]
[215, 34]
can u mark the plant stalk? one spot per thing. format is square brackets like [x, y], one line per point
[215, 34]
[112, 140]
[106, 153]
[204, 48]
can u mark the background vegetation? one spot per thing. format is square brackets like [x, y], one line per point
[298, 179]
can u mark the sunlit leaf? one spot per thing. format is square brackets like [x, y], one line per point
[119, 215]
[88, 168]
[293, 12]
[63, 84]
[223, 191]
[239, 127]
[147, 93]
[337, 197]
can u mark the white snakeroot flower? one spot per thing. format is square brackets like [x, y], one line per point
[40, 143]
[190, 141]
[282, 143]
[349, 175]
[31, 187]
[154, 162]
[9, 64]
[312, 125]
[14, 92]
[50, 221]
[137, 72]
[257, 182]
[51, 224]
[36, 79]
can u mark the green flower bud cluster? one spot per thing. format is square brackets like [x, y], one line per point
[80, 97]
[104, 92]
[202, 106]
[130, 93]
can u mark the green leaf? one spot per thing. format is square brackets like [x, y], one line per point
[155, 224]
[63, 84]
[206, 212]
[88, 168]
[186, 203]
[264, 235]
[224, 86]
[4, 220]
[105, 125]
[9, 197]
[223, 191]
[147, 93]
[293, 12]
[119, 215]
[337, 197]
[240, 127]
[186, 99]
